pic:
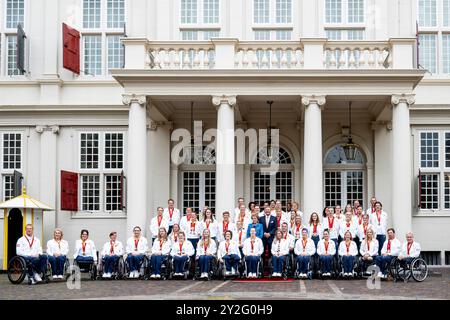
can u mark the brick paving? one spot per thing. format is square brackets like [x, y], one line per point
[437, 286]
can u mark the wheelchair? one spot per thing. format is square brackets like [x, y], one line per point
[364, 266]
[18, 270]
[165, 269]
[89, 267]
[334, 268]
[311, 267]
[259, 268]
[213, 270]
[118, 269]
[357, 263]
[221, 270]
[143, 268]
[286, 267]
[401, 270]
[186, 268]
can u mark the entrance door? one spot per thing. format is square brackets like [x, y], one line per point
[15, 231]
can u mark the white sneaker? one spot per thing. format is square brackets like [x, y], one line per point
[254, 275]
[32, 281]
[37, 278]
[380, 275]
[109, 275]
[227, 273]
[105, 275]
[55, 277]
[274, 274]
[60, 276]
[153, 276]
[131, 275]
[158, 276]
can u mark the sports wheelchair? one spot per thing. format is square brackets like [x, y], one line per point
[186, 268]
[221, 270]
[18, 268]
[259, 268]
[334, 267]
[364, 266]
[356, 269]
[311, 267]
[89, 267]
[286, 267]
[213, 269]
[118, 269]
[402, 270]
[143, 268]
[165, 269]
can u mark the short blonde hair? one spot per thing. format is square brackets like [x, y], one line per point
[58, 229]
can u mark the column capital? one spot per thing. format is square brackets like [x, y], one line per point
[317, 99]
[408, 98]
[128, 98]
[40, 129]
[217, 100]
[154, 125]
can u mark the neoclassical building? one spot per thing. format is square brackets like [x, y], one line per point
[97, 146]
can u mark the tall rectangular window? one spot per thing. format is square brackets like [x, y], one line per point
[113, 150]
[115, 13]
[91, 13]
[12, 55]
[283, 11]
[447, 150]
[429, 197]
[188, 11]
[15, 11]
[7, 187]
[113, 196]
[89, 150]
[90, 192]
[355, 11]
[93, 54]
[429, 149]
[447, 191]
[446, 53]
[333, 11]
[12, 151]
[427, 13]
[446, 13]
[427, 51]
[210, 11]
[261, 11]
[115, 52]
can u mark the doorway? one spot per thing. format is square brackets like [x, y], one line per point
[15, 231]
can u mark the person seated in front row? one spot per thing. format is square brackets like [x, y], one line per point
[57, 250]
[229, 253]
[85, 251]
[326, 250]
[410, 250]
[181, 252]
[253, 248]
[137, 246]
[206, 251]
[304, 249]
[368, 250]
[29, 247]
[391, 249]
[348, 250]
[112, 251]
[280, 249]
[160, 250]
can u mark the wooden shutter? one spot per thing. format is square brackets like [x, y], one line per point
[69, 191]
[17, 183]
[71, 49]
[419, 203]
[20, 53]
[123, 180]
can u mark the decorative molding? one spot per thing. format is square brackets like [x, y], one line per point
[154, 125]
[128, 98]
[313, 99]
[54, 129]
[218, 100]
[376, 124]
[408, 98]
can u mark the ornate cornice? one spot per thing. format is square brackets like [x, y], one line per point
[128, 98]
[408, 98]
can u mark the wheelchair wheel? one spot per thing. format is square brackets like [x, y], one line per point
[47, 274]
[17, 270]
[419, 270]
[93, 271]
[66, 270]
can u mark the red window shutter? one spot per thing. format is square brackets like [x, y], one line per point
[69, 191]
[71, 49]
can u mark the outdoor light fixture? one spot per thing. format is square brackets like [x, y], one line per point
[350, 147]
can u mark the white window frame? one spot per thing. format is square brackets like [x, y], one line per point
[101, 171]
[343, 171]
[273, 182]
[9, 172]
[200, 24]
[201, 170]
[441, 170]
[345, 24]
[273, 26]
[439, 30]
[104, 32]
[345, 33]
[200, 33]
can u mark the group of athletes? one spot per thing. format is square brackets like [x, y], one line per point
[244, 235]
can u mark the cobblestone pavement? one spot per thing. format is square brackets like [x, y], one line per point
[436, 286]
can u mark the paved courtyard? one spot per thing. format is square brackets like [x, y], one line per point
[437, 286]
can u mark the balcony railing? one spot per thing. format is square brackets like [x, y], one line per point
[223, 53]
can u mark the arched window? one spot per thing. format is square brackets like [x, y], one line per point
[282, 157]
[343, 178]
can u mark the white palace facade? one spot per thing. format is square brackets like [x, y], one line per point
[150, 67]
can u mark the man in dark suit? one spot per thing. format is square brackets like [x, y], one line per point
[269, 223]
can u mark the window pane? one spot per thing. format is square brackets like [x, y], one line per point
[89, 152]
[333, 34]
[7, 187]
[333, 11]
[427, 13]
[12, 56]
[93, 55]
[262, 34]
[447, 191]
[189, 35]
[188, 11]
[261, 187]
[14, 13]
[332, 188]
[191, 198]
[355, 187]
[284, 11]
[283, 187]
[446, 13]
[429, 197]
[112, 193]
[261, 11]
[447, 149]
[355, 11]
[211, 11]
[12, 151]
[429, 149]
[427, 51]
[116, 13]
[113, 150]
[208, 34]
[115, 52]
[210, 190]
[90, 192]
[355, 34]
[446, 53]
[91, 13]
[283, 35]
